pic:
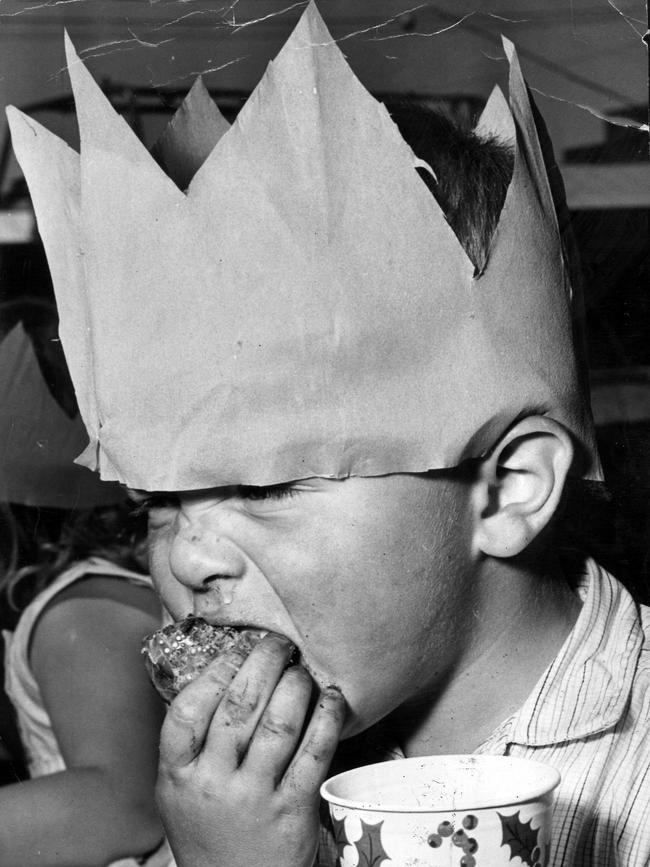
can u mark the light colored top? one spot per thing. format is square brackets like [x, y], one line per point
[589, 717]
[39, 741]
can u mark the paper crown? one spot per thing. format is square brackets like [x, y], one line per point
[38, 440]
[302, 308]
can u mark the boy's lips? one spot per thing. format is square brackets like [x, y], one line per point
[255, 630]
[219, 618]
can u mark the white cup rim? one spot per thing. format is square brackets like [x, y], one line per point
[547, 779]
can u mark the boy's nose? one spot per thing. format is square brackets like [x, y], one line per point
[198, 558]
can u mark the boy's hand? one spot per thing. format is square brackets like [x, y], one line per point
[238, 785]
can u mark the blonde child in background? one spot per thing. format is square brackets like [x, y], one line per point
[88, 719]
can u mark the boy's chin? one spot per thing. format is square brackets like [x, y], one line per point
[354, 727]
[358, 718]
[360, 723]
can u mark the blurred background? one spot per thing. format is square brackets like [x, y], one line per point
[585, 61]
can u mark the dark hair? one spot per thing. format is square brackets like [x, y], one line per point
[472, 174]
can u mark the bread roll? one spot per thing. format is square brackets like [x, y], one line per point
[175, 654]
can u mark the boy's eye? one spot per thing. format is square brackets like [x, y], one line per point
[267, 492]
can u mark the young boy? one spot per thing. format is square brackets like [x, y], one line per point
[353, 428]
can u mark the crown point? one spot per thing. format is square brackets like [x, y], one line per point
[529, 145]
[496, 119]
[22, 127]
[508, 47]
[71, 56]
[311, 29]
[190, 136]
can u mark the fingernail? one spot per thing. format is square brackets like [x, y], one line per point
[282, 640]
[333, 690]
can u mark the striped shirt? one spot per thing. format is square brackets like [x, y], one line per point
[589, 717]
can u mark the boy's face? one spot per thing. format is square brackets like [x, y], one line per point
[371, 578]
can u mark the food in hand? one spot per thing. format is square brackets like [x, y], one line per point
[176, 654]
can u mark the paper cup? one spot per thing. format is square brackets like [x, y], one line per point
[439, 811]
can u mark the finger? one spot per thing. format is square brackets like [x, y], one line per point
[245, 700]
[312, 761]
[190, 713]
[278, 731]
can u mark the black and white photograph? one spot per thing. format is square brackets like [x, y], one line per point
[324, 433]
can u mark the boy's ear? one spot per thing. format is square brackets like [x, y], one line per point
[519, 485]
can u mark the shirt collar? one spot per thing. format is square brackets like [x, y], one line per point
[586, 688]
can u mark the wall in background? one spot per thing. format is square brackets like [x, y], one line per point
[585, 53]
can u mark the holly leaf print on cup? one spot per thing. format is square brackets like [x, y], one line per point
[369, 846]
[340, 837]
[521, 838]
